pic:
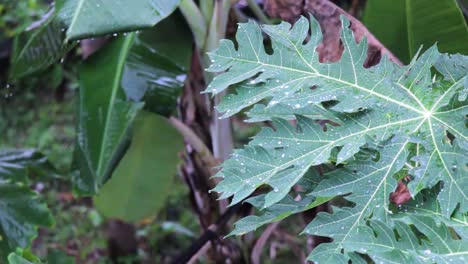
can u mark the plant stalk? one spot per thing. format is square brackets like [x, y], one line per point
[206, 7]
[195, 20]
[221, 132]
[194, 141]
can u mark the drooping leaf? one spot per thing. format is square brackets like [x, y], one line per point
[148, 67]
[105, 116]
[404, 25]
[90, 18]
[49, 39]
[414, 123]
[142, 181]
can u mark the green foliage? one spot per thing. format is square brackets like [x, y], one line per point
[25, 257]
[15, 16]
[145, 175]
[393, 121]
[49, 39]
[21, 210]
[404, 25]
[40, 46]
[134, 71]
[90, 18]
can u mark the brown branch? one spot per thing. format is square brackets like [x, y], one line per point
[212, 233]
[328, 15]
[261, 241]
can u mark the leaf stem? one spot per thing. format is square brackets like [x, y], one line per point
[195, 20]
[221, 132]
[206, 7]
[194, 141]
[253, 5]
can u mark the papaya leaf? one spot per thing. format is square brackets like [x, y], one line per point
[390, 121]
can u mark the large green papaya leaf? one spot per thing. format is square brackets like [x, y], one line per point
[148, 67]
[413, 121]
[49, 39]
[404, 25]
[143, 179]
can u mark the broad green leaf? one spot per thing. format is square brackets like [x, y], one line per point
[105, 116]
[142, 181]
[49, 39]
[414, 122]
[157, 65]
[90, 18]
[21, 211]
[404, 25]
[148, 67]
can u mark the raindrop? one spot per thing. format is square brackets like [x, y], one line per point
[276, 189]
[454, 167]
[342, 228]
